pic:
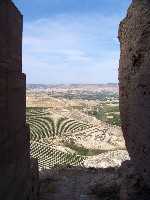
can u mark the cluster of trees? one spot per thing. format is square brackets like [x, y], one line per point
[109, 114]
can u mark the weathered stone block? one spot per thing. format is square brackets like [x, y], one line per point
[16, 100]
[10, 36]
[15, 167]
[35, 179]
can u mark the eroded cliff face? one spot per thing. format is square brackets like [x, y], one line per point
[134, 78]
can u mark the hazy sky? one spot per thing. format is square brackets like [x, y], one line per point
[71, 41]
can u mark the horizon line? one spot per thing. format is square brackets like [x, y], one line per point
[72, 83]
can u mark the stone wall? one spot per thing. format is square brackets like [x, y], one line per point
[15, 169]
[35, 179]
[134, 77]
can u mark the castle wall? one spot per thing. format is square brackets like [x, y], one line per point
[15, 165]
[134, 78]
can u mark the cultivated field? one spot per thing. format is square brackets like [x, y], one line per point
[77, 132]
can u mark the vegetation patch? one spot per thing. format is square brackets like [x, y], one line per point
[82, 150]
[107, 113]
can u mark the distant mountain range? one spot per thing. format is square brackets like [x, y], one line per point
[61, 86]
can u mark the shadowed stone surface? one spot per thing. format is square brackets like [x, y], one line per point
[76, 183]
[35, 178]
[134, 77]
[15, 169]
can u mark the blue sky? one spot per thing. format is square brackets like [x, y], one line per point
[71, 41]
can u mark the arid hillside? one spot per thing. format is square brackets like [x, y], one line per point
[75, 131]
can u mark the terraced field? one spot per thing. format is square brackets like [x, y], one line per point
[50, 157]
[44, 127]
[57, 140]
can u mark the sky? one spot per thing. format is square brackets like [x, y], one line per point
[71, 41]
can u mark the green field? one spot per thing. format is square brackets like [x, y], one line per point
[107, 113]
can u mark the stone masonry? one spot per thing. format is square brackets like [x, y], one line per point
[134, 77]
[15, 169]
